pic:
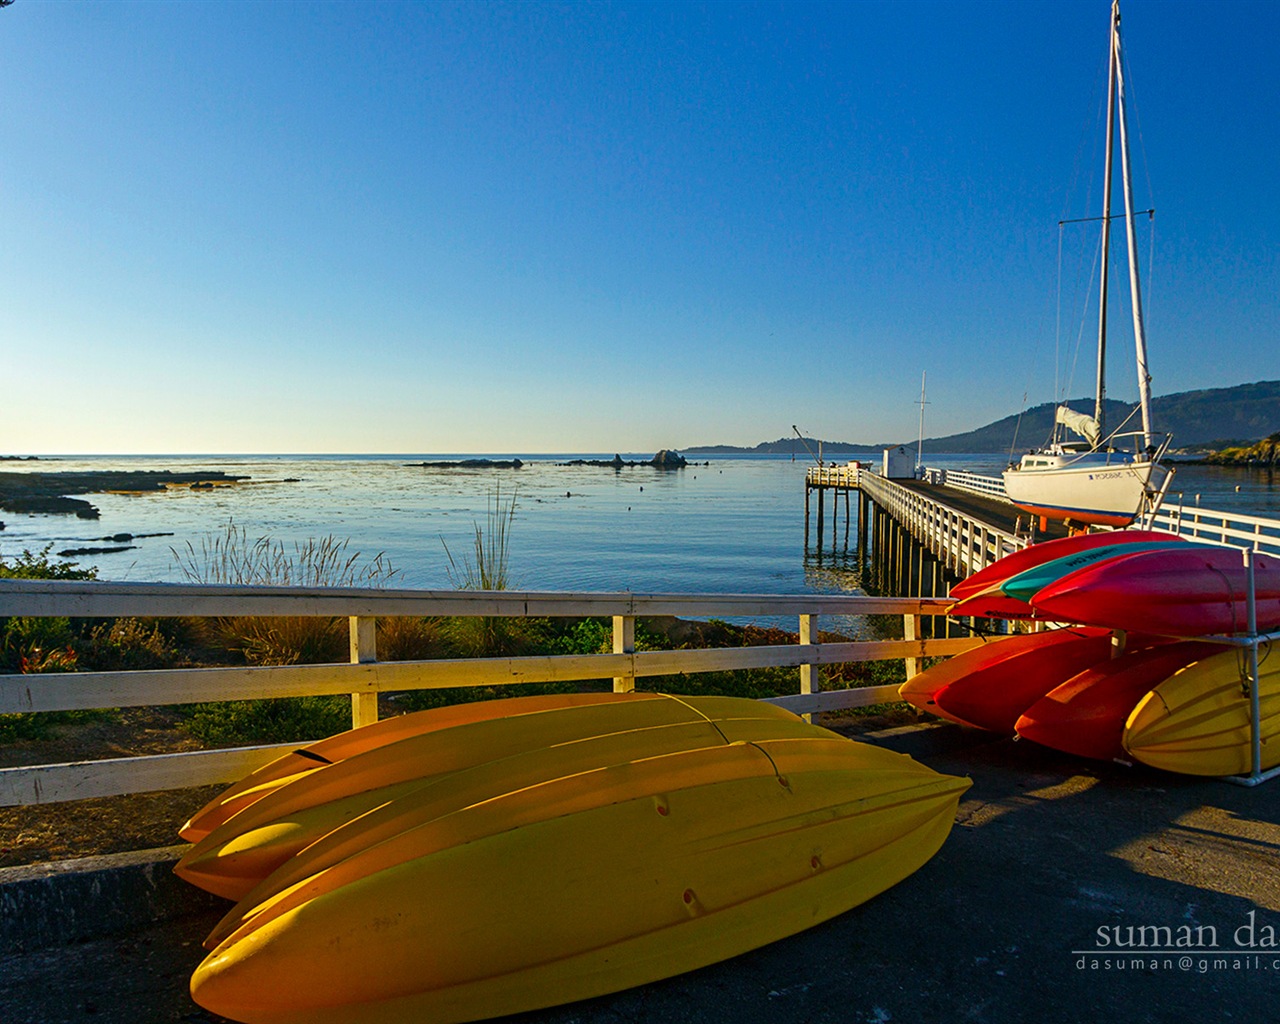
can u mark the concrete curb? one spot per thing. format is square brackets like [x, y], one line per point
[61, 902]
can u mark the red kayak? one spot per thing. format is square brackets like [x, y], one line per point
[1002, 662]
[1199, 591]
[1086, 714]
[1046, 551]
[995, 697]
[921, 689]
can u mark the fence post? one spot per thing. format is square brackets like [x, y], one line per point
[810, 675]
[364, 649]
[624, 642]
[911, 631]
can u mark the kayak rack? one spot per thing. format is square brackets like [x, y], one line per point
[1252, 641]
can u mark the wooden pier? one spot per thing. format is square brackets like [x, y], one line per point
[962, 530]
[964, 521]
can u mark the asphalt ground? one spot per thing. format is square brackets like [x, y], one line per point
[1048, 855]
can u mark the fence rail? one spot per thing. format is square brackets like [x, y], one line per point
[364, 678]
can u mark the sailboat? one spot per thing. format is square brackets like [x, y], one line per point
[1097, 481]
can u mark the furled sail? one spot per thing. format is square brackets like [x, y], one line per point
[1086, 426]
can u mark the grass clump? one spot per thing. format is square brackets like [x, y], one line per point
[487, 567]
[232, 558]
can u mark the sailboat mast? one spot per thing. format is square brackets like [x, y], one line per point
[1101, 392]
[923, 403]
[1135, 292]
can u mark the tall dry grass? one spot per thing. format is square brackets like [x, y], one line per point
[487, 567]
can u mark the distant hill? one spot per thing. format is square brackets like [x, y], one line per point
[1245, 412]
[1213, 418]
[785, 446]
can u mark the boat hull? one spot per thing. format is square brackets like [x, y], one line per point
[586, 885]
[1047, 550]
[994, 699]
[302, 762]
[1111, 495]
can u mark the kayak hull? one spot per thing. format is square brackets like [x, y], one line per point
[1198, 721]
[1085, 716]
[586, 885]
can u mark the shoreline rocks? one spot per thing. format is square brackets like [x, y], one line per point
[468, 464]
[50, 493]
[665, 459]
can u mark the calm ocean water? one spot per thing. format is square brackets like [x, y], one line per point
[727, 524]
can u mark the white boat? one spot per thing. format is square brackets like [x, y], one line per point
[1098, 481]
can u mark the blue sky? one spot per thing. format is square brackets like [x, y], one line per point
[386, 227]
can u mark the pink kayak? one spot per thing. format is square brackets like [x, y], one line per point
[1195, 592]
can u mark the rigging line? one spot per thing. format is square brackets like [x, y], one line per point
[1151, 267]
[1131, 90]
[1115, 216]
[1016, 427]
[1085, 300]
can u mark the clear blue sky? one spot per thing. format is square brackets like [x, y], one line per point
[536, 227]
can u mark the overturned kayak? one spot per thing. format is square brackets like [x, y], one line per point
[1198, 721]
[1086, 714]
[531, 740]
[584, 884]
[1186, 591]
[1037, 554]
[299, 763]
[993, 680]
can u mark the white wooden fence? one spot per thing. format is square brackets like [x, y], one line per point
[365, 677]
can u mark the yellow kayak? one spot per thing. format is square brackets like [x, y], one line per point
[453, 792]
[584, 884]
[299, 809]
[1197, 721]
[305, 760]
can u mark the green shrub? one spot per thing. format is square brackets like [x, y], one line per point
[28, 566]
[275, 720]
[127, 644]
[41, 725]
[37, 644]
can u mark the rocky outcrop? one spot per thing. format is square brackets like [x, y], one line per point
[665, 459]
[1266, 454]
